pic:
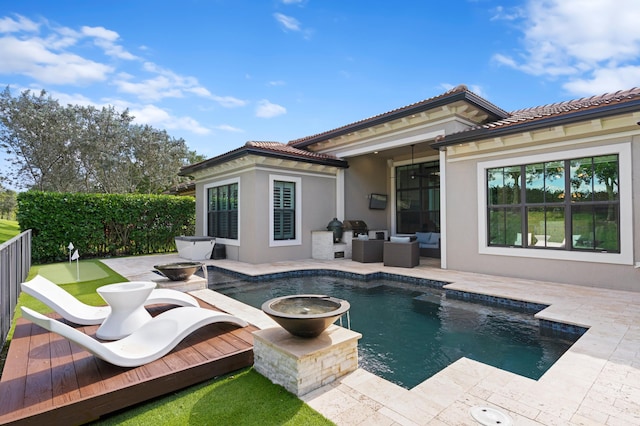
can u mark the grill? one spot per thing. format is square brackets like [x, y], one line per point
[357, 226]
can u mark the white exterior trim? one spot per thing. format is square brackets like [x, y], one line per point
[340, 194]
[205, 208]
[625, 257]
[443, 209]
[298, 182]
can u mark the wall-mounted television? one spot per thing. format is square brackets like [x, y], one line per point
[378, 201]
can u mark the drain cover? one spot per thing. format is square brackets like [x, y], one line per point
[488, 416]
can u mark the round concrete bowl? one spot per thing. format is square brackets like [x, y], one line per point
[305, 315]
[180, 271]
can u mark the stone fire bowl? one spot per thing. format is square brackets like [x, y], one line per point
[305, 315]
[180, 271]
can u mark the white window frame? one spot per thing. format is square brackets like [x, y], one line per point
[625, 257]
[205, 208]
[298, 219]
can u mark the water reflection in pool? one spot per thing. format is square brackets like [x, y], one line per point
[409, 335]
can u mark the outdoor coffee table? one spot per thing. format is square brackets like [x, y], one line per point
[127, 308]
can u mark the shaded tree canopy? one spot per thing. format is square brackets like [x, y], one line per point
[85, 149]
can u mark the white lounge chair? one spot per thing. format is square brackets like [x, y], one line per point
[148, 343]
[77, 312]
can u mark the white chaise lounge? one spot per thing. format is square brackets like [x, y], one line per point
[77, 312]
[150, 342]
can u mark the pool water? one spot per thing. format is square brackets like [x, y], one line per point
[410, 335]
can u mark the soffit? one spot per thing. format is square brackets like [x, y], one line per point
[251, 162]
[609, 127]
[414, 128]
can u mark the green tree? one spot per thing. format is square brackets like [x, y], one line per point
[8, 202]
[86, 149]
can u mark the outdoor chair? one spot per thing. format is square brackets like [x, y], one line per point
[400, 253]
[366, 251]
[148, 343]
[78, 312]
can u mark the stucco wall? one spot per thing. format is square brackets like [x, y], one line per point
[366, 175]
[318, 208]
[462, 235]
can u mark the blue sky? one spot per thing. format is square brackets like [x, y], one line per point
[219, 73]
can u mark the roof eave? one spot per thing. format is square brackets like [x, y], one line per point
[481, 103]
[483, 133]
[187, 170]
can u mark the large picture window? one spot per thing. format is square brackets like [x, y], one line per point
[418, 198]
[570, 204]
[222, 211]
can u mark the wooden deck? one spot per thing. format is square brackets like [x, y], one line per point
[47, 380]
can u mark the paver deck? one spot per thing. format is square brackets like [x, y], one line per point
[596, 382]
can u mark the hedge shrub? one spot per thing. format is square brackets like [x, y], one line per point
[103, 225]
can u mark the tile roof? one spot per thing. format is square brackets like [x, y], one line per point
[567, 107]
[267, 148]
[539, 115]
[458, 92]
[280, 147]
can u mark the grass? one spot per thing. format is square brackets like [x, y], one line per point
[242, 398]
[8, 229]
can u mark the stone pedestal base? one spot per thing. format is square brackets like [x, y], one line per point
[193, 283]
[302, 365]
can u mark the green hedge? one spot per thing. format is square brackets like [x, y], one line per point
[103, 225]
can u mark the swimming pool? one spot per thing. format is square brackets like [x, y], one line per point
[411, 332]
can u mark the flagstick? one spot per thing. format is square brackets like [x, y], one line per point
[78, 269]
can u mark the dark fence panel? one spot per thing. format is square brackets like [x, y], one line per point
[15, 262]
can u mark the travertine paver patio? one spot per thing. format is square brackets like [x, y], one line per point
[596, 382]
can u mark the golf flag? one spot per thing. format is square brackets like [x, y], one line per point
[75, 257]
[70, 247]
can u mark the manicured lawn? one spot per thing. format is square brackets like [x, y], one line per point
[8, 229]
[242, 398]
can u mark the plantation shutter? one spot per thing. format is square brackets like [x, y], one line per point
[223, 211]
[284, 212]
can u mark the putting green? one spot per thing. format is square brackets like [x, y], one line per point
[65, 272]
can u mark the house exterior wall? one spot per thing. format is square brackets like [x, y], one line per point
[318, 206]
[366, 175]
[466, 246]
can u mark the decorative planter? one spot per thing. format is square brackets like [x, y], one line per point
[180, 271]
[305, 315]
[195, 248]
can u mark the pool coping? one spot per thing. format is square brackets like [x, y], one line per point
[597, 381]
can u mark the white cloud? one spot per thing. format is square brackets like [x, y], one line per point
[266, 109]
[9, 25]
[605, 81]
[229, 101]
[288, 22]
[34, 59]
[161, 118]
[163, 84]
[228, 128]
[106, 40]
[511, 14]
[48, 59]
[595, 42]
